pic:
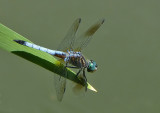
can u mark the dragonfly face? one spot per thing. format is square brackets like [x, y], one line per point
[92, 66]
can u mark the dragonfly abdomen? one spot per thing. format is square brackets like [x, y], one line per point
[52, 52]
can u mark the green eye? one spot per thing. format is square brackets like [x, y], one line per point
[92, 66]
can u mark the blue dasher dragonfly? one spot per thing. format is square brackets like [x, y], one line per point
[70, 52]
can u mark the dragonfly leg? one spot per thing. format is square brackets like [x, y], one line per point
[65, 69]
[71, 66]
[85, 79]
[79, 71]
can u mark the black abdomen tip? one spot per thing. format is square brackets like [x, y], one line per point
[20, 42]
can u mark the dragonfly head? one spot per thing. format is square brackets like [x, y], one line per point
[92, 66]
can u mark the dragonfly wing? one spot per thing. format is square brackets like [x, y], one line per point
[60, 86]
[66, 44]
[68, 41]
[84, 39]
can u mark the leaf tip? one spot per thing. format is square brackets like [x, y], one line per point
[91, 88]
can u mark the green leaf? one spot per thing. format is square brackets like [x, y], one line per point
[40, 58]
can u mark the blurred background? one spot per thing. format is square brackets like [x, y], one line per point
[126, 49]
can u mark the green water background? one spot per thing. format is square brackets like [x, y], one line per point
[126, 49]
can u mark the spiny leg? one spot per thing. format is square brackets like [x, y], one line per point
[85, 79]
[84, 75]
[72, 67]
[66, 66]
[79, 72]
[65, 70]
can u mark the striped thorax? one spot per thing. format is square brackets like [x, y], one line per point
[76, 59]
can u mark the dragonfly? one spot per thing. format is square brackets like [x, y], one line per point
[70, 51]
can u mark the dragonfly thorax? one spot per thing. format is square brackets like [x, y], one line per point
[76, 59]
[92, 66]
[71, 54]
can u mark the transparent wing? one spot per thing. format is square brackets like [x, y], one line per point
[60, 85]
[66, 44]
[68, 41]
[84, 39]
